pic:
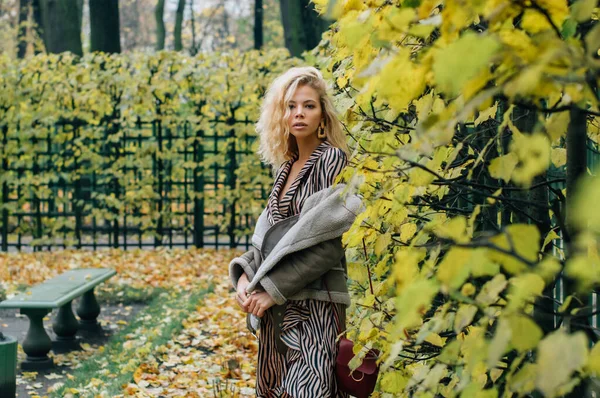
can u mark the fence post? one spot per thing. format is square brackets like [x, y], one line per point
[159, 170]
[36, 200]
[78, 197]
[199, 189]
[4, 190]
[232, 184]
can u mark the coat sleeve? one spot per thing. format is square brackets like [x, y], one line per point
[297, 270]
[246, 263]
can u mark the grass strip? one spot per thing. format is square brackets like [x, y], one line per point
[106, 373]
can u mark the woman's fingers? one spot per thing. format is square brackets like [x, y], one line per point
[250, 303]
[260, 312]
[241, 297]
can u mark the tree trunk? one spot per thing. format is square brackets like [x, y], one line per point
[576, 141]
[159, 12]
[24, 7]
[62, 26]
[38, 24]
[258, 24]
[291, 18]
[104, 24]
[179, 25]
[313, 24]
[302, 26]
[193, 48]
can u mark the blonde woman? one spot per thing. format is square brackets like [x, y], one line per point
[293, 280]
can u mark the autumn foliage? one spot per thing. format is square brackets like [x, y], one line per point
[462, 116]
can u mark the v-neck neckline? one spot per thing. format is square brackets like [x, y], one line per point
[286, 199]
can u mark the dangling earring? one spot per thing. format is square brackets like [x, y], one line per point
[321, 130]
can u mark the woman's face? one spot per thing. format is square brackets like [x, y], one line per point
[305, 112]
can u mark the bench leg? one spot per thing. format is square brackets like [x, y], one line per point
[88, 311]
[37, 343]
[65, 327]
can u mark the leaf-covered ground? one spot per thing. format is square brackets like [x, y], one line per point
[191, 341]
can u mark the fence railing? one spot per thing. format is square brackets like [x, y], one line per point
[146, 186]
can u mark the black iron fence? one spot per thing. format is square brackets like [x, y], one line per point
[142, 186]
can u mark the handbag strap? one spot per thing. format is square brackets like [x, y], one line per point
[335, 313]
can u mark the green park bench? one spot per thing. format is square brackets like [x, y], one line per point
[58, 292]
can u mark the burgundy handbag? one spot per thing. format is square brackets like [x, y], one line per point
[360, 382]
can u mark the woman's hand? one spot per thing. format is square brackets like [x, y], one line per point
[241, 294]
[257, 303]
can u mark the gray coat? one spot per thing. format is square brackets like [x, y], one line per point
[291, 258]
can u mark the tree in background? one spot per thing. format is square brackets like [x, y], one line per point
[138, 25]
[104, 24]
[258, 24]
[61, 25]
[179, 25]
[29, 31]
[208, 25]
[159, 12]
[302, 25]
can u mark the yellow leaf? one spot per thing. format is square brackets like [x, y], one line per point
[435, 339]
[568, 350]
[548, 268]
[454, 268]
[383, 243]
[468, 289]
[491, 289]
[582, 10]
[559, 157]
[407, 231]
[549, 238]
[420, 177]
[523, 289]
[406, 266]
[502, 167]
[521, 239]
[523, 381]
[593, 364]
[399, 89]
[412, 303]
[454, 229]
[486, 114]
[583, 206]
[534, 21]
[525, 332]
[462, 60]
[533, 152]
[464, 316]
[557, 124]
[499, 344]
[393, 382]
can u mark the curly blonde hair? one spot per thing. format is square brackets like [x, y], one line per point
[276, 144]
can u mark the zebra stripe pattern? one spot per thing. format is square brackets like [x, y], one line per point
[307, 368]
[319, 172]
[308, 328]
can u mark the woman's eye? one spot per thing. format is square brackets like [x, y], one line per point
[310, 106]
[291, 106]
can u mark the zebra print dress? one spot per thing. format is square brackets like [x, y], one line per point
[308, 328]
